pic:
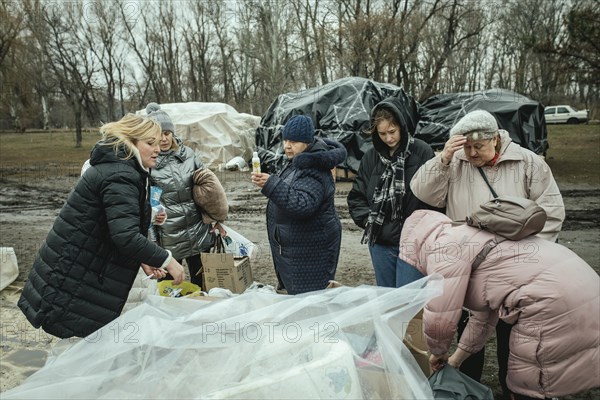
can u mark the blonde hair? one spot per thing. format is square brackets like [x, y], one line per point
[174, 144]
[128, 131]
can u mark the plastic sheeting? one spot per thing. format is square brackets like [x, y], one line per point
[336, 343]
[521, 117]
[214, 130]
[340, 111]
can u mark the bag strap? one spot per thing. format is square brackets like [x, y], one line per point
[484, 252]
[218, 246]
[488, 182]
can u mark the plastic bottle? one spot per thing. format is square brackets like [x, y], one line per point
[255, 163]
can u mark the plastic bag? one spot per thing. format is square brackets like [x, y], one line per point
[236, 164]
[168, 289]
[450, 384]
[155, 193]
[255, 345]
[9, 267]
[239, 246]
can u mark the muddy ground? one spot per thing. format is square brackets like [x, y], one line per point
[29, 206]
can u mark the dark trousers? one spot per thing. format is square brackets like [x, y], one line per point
[194, 264]
[473, 366]
[521, 397]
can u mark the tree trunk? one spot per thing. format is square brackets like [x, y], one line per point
[78, 136]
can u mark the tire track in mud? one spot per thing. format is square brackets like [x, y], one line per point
[23, 197]
[582, 205]
[582, 209]
[252, 204]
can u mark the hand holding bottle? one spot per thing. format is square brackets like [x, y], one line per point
[259, 179]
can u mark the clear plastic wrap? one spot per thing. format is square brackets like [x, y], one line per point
[342, 343]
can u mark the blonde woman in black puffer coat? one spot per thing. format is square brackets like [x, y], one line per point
[82, 275]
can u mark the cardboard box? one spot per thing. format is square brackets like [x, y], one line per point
[225, 271]
[415, 340]
[414, 337]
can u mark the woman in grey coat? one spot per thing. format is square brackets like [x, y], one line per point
[183, 232]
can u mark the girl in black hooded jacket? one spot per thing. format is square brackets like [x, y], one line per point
[381, 198]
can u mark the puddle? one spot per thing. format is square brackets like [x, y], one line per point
[27, 358]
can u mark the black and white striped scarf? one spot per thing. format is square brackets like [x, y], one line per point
[387, 197]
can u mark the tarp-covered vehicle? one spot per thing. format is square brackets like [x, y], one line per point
[522, 117]
[341, 111]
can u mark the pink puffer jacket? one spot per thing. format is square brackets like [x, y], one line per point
[550, 295]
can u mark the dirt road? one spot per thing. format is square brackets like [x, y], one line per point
[28, 209]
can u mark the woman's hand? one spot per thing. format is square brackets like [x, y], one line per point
[153, 273]
[458, 357]
[176, 271]
[219, 228]
[453, 144]
[438, 362]
[259, 179]
[160, 218]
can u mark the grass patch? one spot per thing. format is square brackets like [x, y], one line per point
[45, 147]
[43, 154]
[574, 153]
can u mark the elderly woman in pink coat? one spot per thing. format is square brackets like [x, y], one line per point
[549, 293]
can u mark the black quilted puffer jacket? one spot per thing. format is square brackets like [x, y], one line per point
[82, 275]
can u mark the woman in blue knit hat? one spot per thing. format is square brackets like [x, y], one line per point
[303, 227]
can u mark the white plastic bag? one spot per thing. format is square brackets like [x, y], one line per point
[236, 164]
[239, 246]
[9, 268]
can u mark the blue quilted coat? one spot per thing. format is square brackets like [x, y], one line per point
[303, 227]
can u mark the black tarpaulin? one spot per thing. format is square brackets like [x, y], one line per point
[340, 111]
[522, 117]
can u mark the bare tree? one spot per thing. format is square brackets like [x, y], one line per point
[313, 31]
[168, 44]
[579, 51]
[12, 25]
[247, 53]
[222, 18]
[197, 37]
[60, 41]
[267, 33]
[103, 34]
[12, 88]
[141, 41]
[455, 25]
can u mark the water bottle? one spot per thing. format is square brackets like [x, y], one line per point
[255, 163]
